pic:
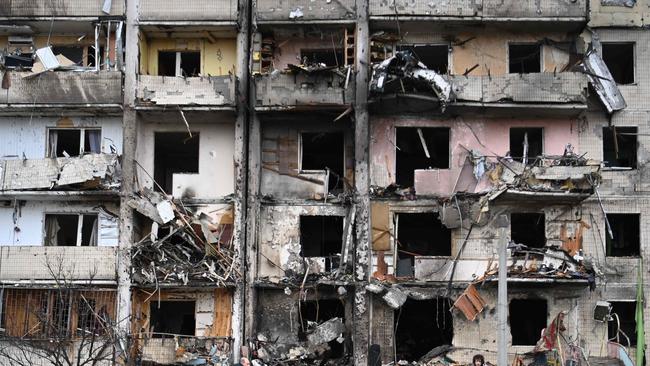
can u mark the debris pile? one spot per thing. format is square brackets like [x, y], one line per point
[182, 246]
[188, 351]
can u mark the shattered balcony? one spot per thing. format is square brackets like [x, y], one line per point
[191, 10]
[186, 350]
[300, 87]
[60, 8]
[482, 10]
[88, 175]
[64, 88]
[211, 91]
[304, 10]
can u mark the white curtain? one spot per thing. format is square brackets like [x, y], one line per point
[51, 231]
[94, 141]
[54, 138]
[93, 234]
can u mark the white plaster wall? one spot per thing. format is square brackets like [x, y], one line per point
[216, 158]
[28, 229]
[19, 135]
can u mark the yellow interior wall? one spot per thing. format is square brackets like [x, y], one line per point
[490, 51]
[143, 46]
[217, 58]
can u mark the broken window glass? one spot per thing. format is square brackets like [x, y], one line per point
[322, 236]
[527, 318]
[422, 325]
[321, 150]
[177, 63]
[434, 57]
[524, 58]
[526, 144]
[625, 228]
[69, 141]
[71, 230]
[528, 229]
[420, 148]
[419, 234]
[624, 328]
[316, 312]
[329, 57]
[619, 58]
[620, 147]
[174, 152]
[172, 318]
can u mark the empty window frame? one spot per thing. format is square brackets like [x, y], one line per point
[619, 58]
[321, 151]
[528, 229]
[624, 328]
[322, 236]
[526, 144]
[179, 63]
[620, 147]
[72, 53]
[434, 57]
[626, 241]
[317, 312]
[170, 318]
[422, 325]
[74, 141]
[419, 234]
[527, 318]
[524, 58]
[328, 57]
[174, 152]
[420, 148]
[69, 230]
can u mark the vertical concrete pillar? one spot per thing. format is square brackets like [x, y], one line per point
[239, 238]
[129, 132]
[361, 179]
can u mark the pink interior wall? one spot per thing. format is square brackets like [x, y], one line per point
[288, 51]
[493, 139]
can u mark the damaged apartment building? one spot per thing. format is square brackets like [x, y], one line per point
[323, 182]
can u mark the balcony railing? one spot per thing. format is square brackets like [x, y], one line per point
[188, 10]
[59, 8]
[200, 91]
[300, 89]
[304, 10]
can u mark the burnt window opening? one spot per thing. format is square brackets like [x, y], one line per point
[321, 150]
[527, 318]
[90, 57]
[524, 58]
[420, 148]
[626, 242]
[172, 318]
[619, 58]
[528, 229]
[74, 142]
[174, 152]
[626, 322]
[72, 53]
[69, 230]
[421, 325]
[419, 234]
[322, 236]
[329, 57]
[526, 142]
[434, 57]
[318, 311]
[620, 146]
[177, 63]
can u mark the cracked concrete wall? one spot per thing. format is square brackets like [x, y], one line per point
[482, 134]
[20, 136]
[291, 90]
[276, 10]
[67, 8]
[168, 10]
[601, 15]
[279, 238]
[216, 150]
[281, 153]
[175, 91]
[485, 9]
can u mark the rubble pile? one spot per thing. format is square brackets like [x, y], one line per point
[182, 246]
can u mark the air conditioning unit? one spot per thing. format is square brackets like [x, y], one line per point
[602, 311]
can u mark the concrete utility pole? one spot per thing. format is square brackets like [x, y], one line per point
[129, 135]
[502, 300]
[361, 180]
